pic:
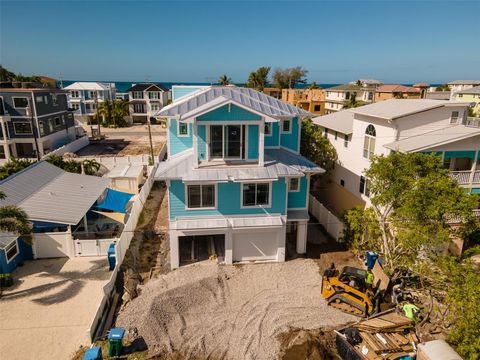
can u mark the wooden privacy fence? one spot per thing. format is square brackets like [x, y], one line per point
[326, 218]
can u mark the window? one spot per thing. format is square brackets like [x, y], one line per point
[57, 121]
[369, 142]
[20, 102]
[345, 140]
[22, 128]
[370, 96]
[41, 128]
[74, 94]
[54, 100]
[227, 142]
[363, 189]
[342, 182]
[325, 133]
[256, 194]
[201, 196]
[454, 117]
[50, 125]
[137, 95]
[294, 185]
[2, 152]
[183, 129]
[317, 108]
[155, 95]
[39, 99]
[155, 107]
[460, 95]
[347, 95]
[93, 94]
[139, 108]
[75, 106]
[268, 129]
[336, 135]
[286, 126]
[11, 251]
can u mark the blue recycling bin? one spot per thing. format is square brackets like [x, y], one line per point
[94, 353]
[115, 341]
[112, 259]
[372, 257]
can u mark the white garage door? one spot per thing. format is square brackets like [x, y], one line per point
[255, 245]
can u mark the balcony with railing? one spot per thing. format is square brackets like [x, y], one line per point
[466, 177]
[473, 122]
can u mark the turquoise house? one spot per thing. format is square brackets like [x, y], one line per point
[237, 184]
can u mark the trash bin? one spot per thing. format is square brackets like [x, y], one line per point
[111, 256]
[372, 257]
[115, 338]
[94, 353]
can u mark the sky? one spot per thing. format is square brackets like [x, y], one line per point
[197, 41]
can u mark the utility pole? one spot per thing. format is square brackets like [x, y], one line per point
[96, 115]
[34, 129]
[150, 138]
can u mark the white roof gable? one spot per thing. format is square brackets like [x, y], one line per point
[89, 86]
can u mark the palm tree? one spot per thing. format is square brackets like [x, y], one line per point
[105, 110]
[224, 80]
[314, 86]
[90, 167]
[352, 102]
[113, 112]
[13, 166]
[13, 219]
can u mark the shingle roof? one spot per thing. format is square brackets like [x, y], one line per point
[390, 88]
[149, 86]
[49, 194]
[207, 98]
[464, 82]
[278, 163]
[86, 85]
[434, 138]
[396, 108]
[341, 121]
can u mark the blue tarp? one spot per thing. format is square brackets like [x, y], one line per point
[115, 201]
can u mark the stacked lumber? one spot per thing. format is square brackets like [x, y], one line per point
[388, 336]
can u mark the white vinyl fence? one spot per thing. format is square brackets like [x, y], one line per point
[123, 243]
[72, 147]
[330, 222]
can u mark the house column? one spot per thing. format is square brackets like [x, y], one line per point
[5, 138]
[229, 246]
[301, 237]
[195, 144]
[261, 145]
[282, 239]
[474, 167]
[174, 250]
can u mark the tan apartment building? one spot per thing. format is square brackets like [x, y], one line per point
[396, 91]
[311, 100]
[273, 92]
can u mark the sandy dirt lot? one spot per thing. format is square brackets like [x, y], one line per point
[229, 312]
[47, 314]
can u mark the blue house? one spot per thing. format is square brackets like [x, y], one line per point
[13, 251]
[237, 184]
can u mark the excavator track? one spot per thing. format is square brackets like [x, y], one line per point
[345, 305]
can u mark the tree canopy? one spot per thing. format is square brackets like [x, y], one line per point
[113, 112]
[258, 79]
[315, 147]
[289, 77]
[13, 219]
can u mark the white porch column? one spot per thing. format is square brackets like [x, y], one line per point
[229, 246]
[301, 237]
[195, 144]
[70, 243]
[174, 250]
[261, 146]
[472, 170]
[282, 240]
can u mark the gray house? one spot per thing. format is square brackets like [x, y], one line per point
[33, 120]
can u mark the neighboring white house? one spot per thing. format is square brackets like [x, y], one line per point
[459, 85]
[84, 97]
[145, 100]
[363, 90]
[404, 125]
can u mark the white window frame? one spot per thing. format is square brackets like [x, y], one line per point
[55, 121]
[289, 127]
[454, 119]
[157, 106]
[19, 97]
[92, 93]
[74, 94]
[267, 206]
[22, 122]
[54, 100]
[345, 140]
[135, 93]
[268, 125]
[290, 188]
[215, 192]
[8, 248]
[153, 97]
[368, 140]
[178, 129]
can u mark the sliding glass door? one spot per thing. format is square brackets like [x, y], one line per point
[227, 142]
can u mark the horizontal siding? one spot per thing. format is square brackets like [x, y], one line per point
[178, 144]
[272, 140]
[228, 200]
[236, 113]
[202, 142]
[299, 199]
[253, 145]
[290, 141]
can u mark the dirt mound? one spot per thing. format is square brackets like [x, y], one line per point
[299, 344]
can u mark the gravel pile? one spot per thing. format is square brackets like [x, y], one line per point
[229, 312]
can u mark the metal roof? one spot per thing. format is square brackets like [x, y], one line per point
[391, 88]
[464, 82]
[210, 97]
[6, 238]
[297, 215]
[87, 85]
[434, 138]
[278, 163]
[473, 90]
[226, 222]
[125, 171]
[147, 86]
[396, 108]
[47, 193]
[341, 121]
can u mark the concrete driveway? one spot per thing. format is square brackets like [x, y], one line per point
[48, 312]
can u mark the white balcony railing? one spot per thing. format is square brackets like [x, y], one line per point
[476, 177]
[462, 177]
[477, 212]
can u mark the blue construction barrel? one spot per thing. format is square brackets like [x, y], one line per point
[115, 341]
[112, 259]
[372, 257]
[94, 353]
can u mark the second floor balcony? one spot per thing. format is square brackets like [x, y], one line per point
[466, 177]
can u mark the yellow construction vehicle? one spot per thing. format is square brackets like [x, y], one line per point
[346, 291]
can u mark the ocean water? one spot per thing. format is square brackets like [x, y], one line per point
[122, 86]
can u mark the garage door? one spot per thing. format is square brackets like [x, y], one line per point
[258, 245]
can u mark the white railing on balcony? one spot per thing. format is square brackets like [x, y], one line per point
[477, 212]
[476, 177]
[463, 177]
[473, 121]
